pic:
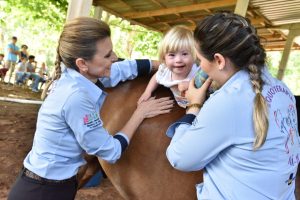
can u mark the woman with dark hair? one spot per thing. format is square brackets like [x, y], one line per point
[24, 53]
[245, 135]
[68, 121]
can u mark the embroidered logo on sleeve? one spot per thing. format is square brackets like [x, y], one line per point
[92, 120]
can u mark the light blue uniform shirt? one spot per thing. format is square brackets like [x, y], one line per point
[11, 56]
[220, 140]
[69, 124]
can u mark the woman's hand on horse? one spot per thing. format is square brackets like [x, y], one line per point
[153, 107]
[197, 95]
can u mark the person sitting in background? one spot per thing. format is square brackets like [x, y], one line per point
[30, 72]
[30, 66]
[40, 77]
[21, 72]
[3, 68]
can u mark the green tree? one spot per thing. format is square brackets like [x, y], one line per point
[292, 72]
[132, 41]
[36, 23]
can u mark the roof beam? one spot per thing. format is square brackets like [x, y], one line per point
[258, 20]
[278, 48]
[295, 26]
[121, 16]
[124, 4]
[241, 7]
[255, 10]
[162, 6]
[158, 3]
[182, 19]
[274, 43]
[270, 38]
[180, 9]
[254, 21]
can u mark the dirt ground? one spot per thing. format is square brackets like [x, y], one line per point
[17, 126]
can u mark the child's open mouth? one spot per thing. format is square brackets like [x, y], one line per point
[182, 66]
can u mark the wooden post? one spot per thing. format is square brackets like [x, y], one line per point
[286, 52]
[241, 7]
[79, 8]
[98, 12]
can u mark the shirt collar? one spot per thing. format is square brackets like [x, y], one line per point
[241, 75]
[94, 91]
[233, 81]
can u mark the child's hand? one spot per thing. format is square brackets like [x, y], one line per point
[145, 96]
[182, 87]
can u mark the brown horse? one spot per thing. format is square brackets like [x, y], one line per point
[143, 172]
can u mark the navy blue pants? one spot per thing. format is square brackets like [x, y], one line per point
[26, 188]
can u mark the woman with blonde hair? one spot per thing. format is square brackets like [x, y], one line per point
[68, 121]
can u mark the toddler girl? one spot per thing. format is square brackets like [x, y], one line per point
[177, 55]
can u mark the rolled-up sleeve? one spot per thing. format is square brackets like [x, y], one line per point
[126, 70]
[84, 120]
[194, 145]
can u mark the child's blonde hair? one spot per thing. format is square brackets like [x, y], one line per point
[177, 38]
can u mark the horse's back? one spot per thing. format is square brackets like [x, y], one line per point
[143, 172]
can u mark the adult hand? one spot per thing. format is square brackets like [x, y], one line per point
[153, 107]
[150, 108]
[195, 95]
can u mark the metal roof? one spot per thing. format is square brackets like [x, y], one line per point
[278, 12]
[266, 15]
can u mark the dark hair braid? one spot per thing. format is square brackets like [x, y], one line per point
[235, 38]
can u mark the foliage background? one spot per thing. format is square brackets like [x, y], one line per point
[38, 23]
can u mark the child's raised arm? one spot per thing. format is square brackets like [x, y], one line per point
[152, 85]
